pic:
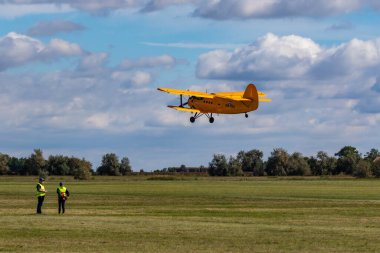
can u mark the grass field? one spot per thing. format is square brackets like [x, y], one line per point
[136, 214]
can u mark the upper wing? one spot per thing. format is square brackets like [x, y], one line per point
[238, 96]
[187, 92]
[235, 95]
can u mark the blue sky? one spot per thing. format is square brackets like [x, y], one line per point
[80, 77]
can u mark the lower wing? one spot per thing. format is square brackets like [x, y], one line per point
[179, 108]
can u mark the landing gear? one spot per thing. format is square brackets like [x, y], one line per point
[197, 115]
[246, 115]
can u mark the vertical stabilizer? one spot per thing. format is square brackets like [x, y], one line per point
[251, 93]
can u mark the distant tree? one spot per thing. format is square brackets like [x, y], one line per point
[58, 165]
[17, 166]
[372, 154]
[313, 164]
[79, 168]
[251, 161]
[234, 167]
[203, 168]
[125, 167]
[4, 168]
[218, 166]
[183, 168]
[330, 166]
[348, 158]
[36, 164]
[362, 169]
[323, 164]
[297, 165]
[277, 164]
[110, 165]
[376, 168]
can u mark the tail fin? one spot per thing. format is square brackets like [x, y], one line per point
[251, 93]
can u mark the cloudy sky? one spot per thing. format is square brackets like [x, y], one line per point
[80, 77]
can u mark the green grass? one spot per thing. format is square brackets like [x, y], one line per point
[138, 214]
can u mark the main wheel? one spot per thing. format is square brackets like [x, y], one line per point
[192, 119]
[246, 115]
[211, 119]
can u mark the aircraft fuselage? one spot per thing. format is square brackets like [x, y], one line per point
[221, 105]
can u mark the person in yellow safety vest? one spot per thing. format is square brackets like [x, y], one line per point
[41, 191]
[63, 193]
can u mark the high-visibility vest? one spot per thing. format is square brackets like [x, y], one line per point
[62, 190]
[42, 188]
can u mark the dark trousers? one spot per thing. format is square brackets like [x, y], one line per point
[61, 205]
[39, 204]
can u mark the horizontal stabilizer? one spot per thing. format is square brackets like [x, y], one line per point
[262, 99]
[261, 94]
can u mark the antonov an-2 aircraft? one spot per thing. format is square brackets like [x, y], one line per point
[202, 103]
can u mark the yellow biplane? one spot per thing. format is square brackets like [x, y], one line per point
[203, 103]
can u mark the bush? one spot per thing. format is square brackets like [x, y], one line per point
[376, 168]
[362, 169]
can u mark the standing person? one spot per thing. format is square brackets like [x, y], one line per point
[40, 194]
[62, 193]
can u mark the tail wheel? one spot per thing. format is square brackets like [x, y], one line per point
[192, 119]
[211, 119]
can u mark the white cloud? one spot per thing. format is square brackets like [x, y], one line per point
[194, 45]
[89, 96]
[340, 26]
[17, 50]
[99, 120]
[318, 93]
[150, 62]
[102, 7]
[58, 47]
[154, 5]
[290, 57]
[245, 9]
[132, 79]
[64, 100]
[271, 57]
[13, 9]
[355, 57]
[212, 9]
[93, 61]
[48, 28]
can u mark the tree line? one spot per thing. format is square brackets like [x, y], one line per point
[347, 161]
[61, 165]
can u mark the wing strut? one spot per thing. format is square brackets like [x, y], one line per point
[181, 101]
